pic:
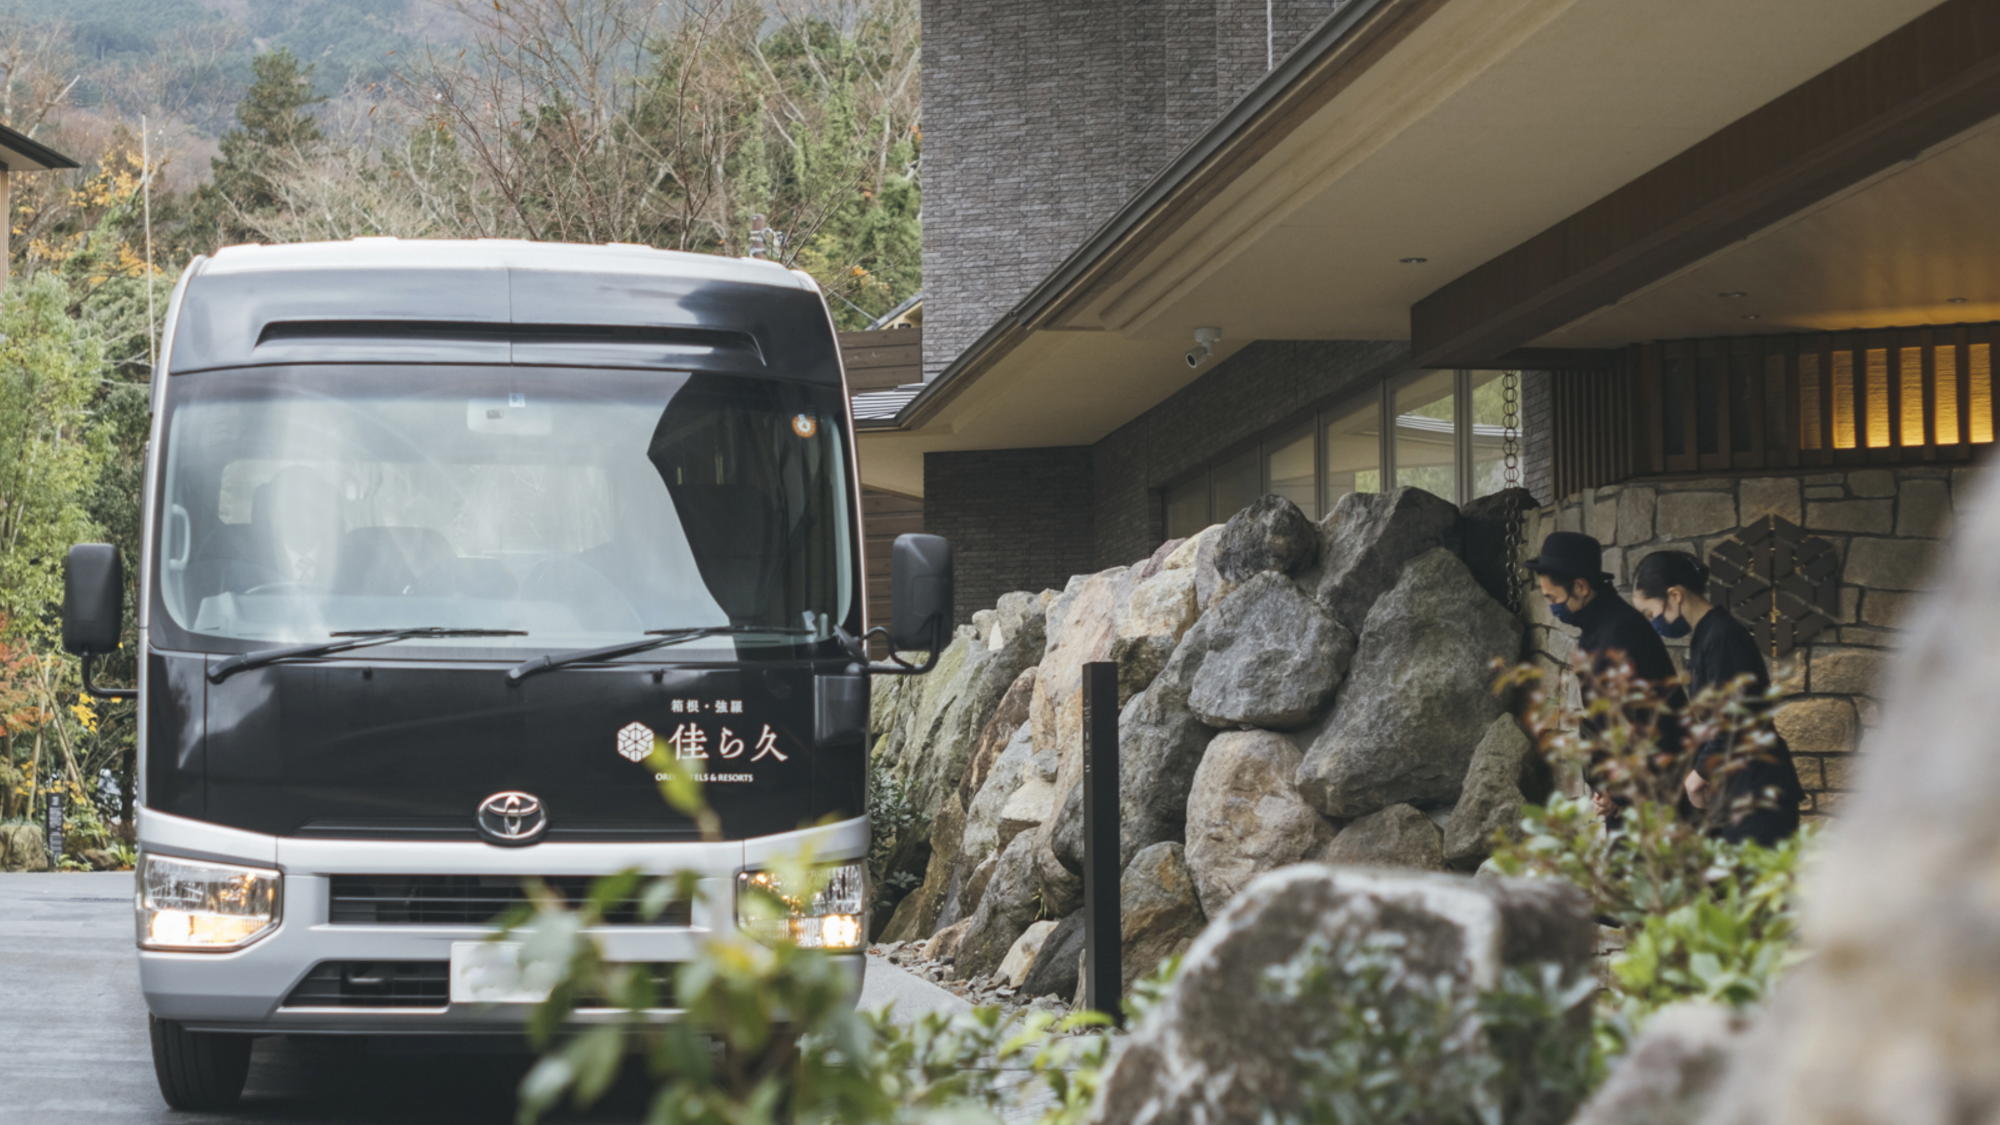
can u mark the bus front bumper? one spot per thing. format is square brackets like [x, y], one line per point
[301, 977]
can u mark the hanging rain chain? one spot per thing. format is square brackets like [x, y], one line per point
[1510, 453]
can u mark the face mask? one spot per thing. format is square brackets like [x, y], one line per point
[1562, 613]
[1672, 630]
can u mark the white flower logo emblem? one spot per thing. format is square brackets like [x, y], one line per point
[635, 741]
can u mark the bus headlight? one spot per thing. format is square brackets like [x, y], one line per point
[192, 904]
[829, 917]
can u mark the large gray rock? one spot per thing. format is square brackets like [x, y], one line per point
[1082, 626]
[1265, 655]
[931, 744]
[1082, 623]
[1892, 1019]
[917, 914]
[935, 902]
[1054, 972]
[1368, 537]
[953, 891]
[22, 848]
[1001, 728]
[1006, 910]
[1159, 610]
[1669, 1075]
[1398, 836]
[1245, 815]
[1160, 912]
[1029, 807]
[1160, 744]
[1506, 772]
[1021, 958]
[1270, 534]
[1218, 1047]
[1209, 584]
[982, 820]
[1418, 698]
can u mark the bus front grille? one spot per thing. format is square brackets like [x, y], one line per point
[374, 984]
[471, 900]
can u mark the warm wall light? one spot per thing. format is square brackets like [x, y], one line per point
[1730, 294]
[1413, 261]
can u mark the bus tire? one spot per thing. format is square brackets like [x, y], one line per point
[198, 1070]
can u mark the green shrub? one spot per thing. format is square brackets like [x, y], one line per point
[1703, 918]
[1394, 1044]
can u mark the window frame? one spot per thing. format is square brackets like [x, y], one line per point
[1318, 416]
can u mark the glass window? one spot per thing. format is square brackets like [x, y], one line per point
[1354, 451]
[1489, 426]
[582, 506]
[1426, 434]
[1187, 508]
[1238, 482]
[1288, 465]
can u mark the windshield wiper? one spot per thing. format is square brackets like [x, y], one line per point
[347, 639]
[654, 638]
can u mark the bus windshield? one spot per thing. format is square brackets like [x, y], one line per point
[583, 506]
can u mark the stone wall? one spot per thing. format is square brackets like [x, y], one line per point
[1290, 690]
[1042, 118]
[1884, 523]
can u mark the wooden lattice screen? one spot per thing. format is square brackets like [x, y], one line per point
[1840, 398]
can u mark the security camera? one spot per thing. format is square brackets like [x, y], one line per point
[1205, 340]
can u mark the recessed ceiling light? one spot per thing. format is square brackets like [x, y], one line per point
[1413, 261]
[1731, 294]
[1954, 300]
[1751, 316]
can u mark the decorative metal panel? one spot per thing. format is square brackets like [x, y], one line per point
[1779, 581]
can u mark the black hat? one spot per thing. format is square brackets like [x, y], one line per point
[1572, 555]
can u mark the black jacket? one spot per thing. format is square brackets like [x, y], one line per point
[1610, 630]
[1609, 627]
[1721, 650]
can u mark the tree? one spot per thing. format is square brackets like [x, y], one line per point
[275, 135]
[49, 373]
[605, 121]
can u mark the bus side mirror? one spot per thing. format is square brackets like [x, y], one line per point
[93, 613]
[920, 593]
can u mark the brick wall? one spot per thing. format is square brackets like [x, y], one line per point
[1018, 519]
[1885, 524]
[1042, 118]
[1264, 384]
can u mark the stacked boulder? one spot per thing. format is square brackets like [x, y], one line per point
[1289, 692]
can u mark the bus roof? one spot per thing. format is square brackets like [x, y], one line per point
[373, 300]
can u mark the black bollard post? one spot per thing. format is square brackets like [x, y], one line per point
[1102, 984]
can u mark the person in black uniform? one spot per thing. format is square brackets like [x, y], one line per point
[1570, 573]
[1760, 794]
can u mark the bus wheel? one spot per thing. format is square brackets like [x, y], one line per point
[200, 1070]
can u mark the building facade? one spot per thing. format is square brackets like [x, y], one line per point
[1718, 276]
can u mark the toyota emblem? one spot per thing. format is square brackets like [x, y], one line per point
[512, 818]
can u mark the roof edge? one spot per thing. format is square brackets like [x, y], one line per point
[1197, 157]
[48, 158]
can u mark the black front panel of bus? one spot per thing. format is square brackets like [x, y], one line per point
[387, 749]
